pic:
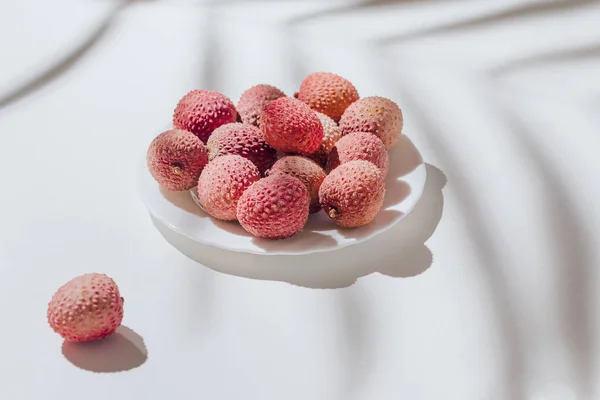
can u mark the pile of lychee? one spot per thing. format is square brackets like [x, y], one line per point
[273, 160]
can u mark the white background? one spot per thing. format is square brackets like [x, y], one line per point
[502, 98]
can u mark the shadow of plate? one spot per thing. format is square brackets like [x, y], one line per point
[398, 252]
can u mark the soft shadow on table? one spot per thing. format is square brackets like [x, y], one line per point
[293, 34]
[524, 11]
[51, 72]
[483, 241]
[588, 52]
[573, 251]
[122, 351]
[399, 252]
[485, 249]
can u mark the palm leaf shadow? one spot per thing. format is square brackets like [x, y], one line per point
[211, 76]
[63, 65]
[293, 28]
[574, 254]
[486, 252]
[587, 52]
[520, 12]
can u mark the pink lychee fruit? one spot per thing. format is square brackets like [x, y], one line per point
[244, 140]
[359, 146]
[352, 194]
[377, 115]
[175, 159]
[331, 134]
[88, 307]
[307, 170]
[254, 99]
[275, 207]
[290, 126]
[223, 182]
[203, 111]
[327, 93]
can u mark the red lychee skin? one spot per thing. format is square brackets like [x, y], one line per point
[327, 93]
[290, 126]
[308, 171]
[275, 207]
[88, 307]
[331, 134]
[203, 111]
[223, 182]
[359, 146]
[244, 140]
[352, 194]
[254, 99]
[175, 159]
[377, 115]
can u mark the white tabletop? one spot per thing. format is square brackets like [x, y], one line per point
[488, 291]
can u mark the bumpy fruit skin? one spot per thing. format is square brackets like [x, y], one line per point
[327, 93]
[275, 207]
[223, 182]
[203, 111]
[175, 159]
[254, 99]
[359, 146]
[352, 194]
[244, 140]
[377, 115]
[88, 307]
[290, 126]
[331, 134]
[308, 171]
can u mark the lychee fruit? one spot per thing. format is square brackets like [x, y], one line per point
[223, 182]
[307, 170]
[203, 111]
[327, 93]
[275, 207]
[244, 140]
[175, 159]
[352, 194]
[377, 115]
[88, 307]
[331, 134]
[290, 126]
[359, 146]
[254, 99]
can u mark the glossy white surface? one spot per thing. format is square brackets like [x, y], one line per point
[488, 290]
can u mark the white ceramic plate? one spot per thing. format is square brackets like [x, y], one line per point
[178, 210]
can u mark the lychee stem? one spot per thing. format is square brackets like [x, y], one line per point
[333, 213]
[177, 168]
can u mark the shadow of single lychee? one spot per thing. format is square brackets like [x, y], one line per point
[320, 222]
[184, 201]
[122, 351]
[398, 252]
[404, 158]
[395, 192]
